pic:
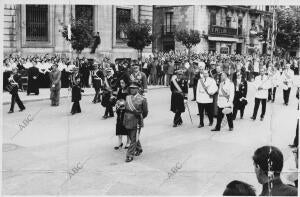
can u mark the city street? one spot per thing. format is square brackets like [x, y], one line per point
[38, 155]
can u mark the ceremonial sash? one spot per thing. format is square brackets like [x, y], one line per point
[203, 85]
[224, 93]
[176, 85]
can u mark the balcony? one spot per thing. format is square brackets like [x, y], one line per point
[168, 30]
[222, 31]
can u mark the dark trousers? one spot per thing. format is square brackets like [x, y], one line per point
[134, 145]
[208, 109]
[15, 98]
[220, 118]
[109, 110]
[297, 135]
[271, 94]
[235, 110]
[97, 95]
[76, 107]
[286, 95]
[194, 91]
[177, 118]
[256, 106]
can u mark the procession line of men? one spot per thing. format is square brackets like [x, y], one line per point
[213, 89]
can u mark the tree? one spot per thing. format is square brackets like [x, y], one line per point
[138, 35]
[81, 34]
[188, 39]
[288, 28]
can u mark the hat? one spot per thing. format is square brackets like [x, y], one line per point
[134, 85]
[179, 72]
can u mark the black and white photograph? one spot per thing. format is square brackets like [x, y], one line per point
[150, 98]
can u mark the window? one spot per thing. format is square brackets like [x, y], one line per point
[37, 23]
[240, 26]
[213, 18]
[85, 11]
[224, 50]
[228, 21]
[123, 17]
[168, 24]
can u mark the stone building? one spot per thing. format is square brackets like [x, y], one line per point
[224, 29]
[35, 29]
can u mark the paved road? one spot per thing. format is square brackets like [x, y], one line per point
[36, 160]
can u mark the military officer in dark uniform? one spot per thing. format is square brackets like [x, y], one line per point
[239, 101]
[136, 109]
[109, 93]
[179, 88]
[12, 88]
[140, 78]
[97, 81]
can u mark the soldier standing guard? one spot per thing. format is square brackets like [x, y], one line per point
[136, 109]
[55, 76]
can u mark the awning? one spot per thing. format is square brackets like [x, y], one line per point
[225, 39]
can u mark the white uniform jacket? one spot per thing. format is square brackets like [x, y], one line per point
[212, 88]
[265, 83]
[226, 94]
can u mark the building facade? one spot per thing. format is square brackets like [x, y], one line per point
[223, 29]
[36, 29]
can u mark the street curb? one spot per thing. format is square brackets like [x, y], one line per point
[89, 94]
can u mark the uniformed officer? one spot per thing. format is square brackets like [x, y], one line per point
[136, 109]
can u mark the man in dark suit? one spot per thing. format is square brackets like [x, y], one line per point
[136, 109]
[268, 163]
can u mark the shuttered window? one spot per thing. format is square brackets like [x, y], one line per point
[37, 23]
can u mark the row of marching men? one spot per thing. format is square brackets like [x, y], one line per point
[217, 95]
[125, 90]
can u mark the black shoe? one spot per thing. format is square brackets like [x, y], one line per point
[138, 152]
[126, 147]
[175, 125]
[272, 101]
[21, 109]
[215, 129]
[111, 116]
[129, 159]
[292, 146]
[242, 117]
[104, 117]
[180, 123]
[200, 126]
[230, 129]
[210, 124]
[253, 118]
[10, 111]
[72, 112]
[261, 118]
[118, 147]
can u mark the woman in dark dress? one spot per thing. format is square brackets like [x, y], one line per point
[239, 101]
[179, 88]
[120, 110]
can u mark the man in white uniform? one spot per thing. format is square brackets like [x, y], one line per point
[262, 83]
[206, 88]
